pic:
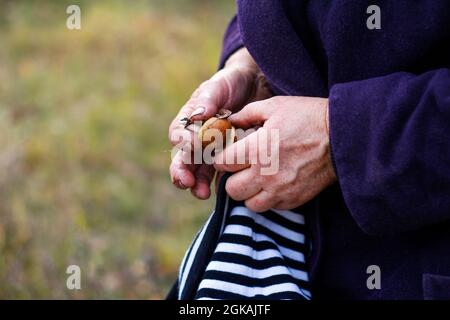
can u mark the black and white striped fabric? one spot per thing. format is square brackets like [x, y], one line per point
[240, 254]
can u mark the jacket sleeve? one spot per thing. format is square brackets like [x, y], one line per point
[390, 141]
[231, 41]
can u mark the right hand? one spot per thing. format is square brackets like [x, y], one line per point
[237, 84]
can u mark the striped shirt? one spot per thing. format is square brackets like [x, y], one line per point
[240, 254]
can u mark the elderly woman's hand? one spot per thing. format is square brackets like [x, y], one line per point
[237, 84]
[305, 167]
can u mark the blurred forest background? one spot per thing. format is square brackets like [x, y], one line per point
[84, 154]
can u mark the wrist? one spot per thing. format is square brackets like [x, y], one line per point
[242, 59]
[331, 167]
[327, 119]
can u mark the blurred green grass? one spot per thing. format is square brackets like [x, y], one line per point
[83, 147]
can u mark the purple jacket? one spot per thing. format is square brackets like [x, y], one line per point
[389, 92]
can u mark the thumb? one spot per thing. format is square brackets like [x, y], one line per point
[208, 99]
[229, 88]
[253, 114]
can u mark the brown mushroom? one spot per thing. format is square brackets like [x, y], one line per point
[207, 132]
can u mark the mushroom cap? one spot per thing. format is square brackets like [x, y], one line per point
[207, 132]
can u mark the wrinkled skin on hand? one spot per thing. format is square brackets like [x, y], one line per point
[240, 82]
[305, 166]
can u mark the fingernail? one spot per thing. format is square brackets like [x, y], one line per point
[197, 112]
[181, 184]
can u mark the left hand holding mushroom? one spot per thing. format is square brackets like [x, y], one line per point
[305, 167]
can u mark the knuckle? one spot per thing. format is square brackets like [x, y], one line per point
[253, 106]
[283, 206]
[270, 183]
[173, 125]
[231, 189]
[195, 93]
[173, 137]
[173, 172]
[202, 86]
[274, 100]
[277, 100]
[251, 206]
[172, 177]
[289, 178]
[256, 205]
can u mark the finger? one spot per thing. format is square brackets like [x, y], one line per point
[253, 114]
[177, 129]
[203, 177]
[181, 173]
[261, 202]
[182, 138]
[203, 104]
[244, 184]
[228, 88]
[283, 205]
[211, 96]
[239, 155]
